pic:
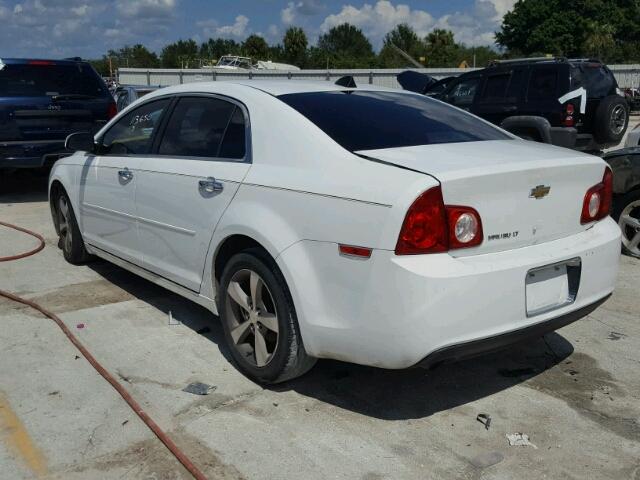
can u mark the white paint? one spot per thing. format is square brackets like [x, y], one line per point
[303, 194]
[2, 65]
[578, 92]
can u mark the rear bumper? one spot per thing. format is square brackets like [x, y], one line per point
[484, 346]
[30, 154]
[394, 311]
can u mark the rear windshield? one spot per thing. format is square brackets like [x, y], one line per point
[361, 120]
[595, 78]
[26, 80]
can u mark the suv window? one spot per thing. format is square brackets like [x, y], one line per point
[463, 92]
[46, 79]
[495, 87]
[595, 78]
[196, 127]
[131, 135]
[369, 120]
[543, 84]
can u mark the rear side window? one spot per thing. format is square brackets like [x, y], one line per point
[132, 134]
[197, 127]
[40, 80]
[463, 92]
[543, 84]
[361, 120]
[595, 78]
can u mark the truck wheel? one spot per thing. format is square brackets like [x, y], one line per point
[611, 120]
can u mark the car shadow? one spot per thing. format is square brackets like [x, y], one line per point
[418, 393]
[383, 394]
[23, 186]
[186, 312]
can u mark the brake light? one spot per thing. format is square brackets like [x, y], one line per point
[597, 200]
[569, 121]
[40, 62]
[112, 110]
[430, 226]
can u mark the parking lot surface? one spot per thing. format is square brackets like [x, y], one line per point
[575, 393]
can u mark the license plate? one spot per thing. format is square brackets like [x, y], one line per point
[552, 286]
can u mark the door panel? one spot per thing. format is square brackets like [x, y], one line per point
[185, 188]
[107, 203]
[109, 181]
[177, 216]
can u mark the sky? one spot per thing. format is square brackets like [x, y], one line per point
[88, 28]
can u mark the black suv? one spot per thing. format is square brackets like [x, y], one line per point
[572, 103]
[43, 101]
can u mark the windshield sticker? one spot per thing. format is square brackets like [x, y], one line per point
[2, 65]
[578, 92]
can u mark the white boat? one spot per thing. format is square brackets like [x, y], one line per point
[245, 64]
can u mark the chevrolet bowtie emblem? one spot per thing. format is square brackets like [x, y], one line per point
[539, 192]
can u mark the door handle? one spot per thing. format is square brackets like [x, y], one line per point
[125, 174]
[210, 185]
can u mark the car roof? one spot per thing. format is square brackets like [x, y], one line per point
[271, 87]
[27, 61]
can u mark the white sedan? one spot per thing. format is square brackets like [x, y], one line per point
[368, 225]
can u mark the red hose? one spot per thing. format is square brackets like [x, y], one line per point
[30, 252]
[135, 406]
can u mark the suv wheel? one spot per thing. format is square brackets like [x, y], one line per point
[611, 120]
[259, 319]
[628, 216]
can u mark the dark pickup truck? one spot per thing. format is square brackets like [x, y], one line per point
[43, 101]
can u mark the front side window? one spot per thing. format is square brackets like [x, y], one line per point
[369, 120]
[132, 134]
[198, 126]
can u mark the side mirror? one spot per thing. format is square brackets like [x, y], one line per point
[80, 142]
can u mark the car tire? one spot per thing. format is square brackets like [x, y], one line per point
[251, 315]
[627, 214]
[70, 238]
[611, 120]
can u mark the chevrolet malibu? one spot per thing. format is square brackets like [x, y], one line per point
[368, 225]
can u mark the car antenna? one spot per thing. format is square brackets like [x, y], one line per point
[346, 81]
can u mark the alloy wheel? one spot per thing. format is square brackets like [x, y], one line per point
[618, 119]
[65, 223]
[253, 321]
[629, 223]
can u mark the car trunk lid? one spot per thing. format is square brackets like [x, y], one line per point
[526, 193]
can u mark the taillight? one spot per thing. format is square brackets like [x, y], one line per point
[597, 200]
[465, 227]
[112, 110]
[569, 121]
[430, 226]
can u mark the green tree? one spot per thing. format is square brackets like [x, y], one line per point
[295, 46]
[345, 46]
[405, 38]
[609, 29]
[214, 48]
[255, 47]
[442, 49]
[180, 54]
[599, 41]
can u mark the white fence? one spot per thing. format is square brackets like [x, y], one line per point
[627, 75]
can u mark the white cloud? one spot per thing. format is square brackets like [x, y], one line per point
[305, 8]
[80, 10]
[288, 15]
[17, 9]
[146, 8]
[376, 20]
[474, 27]
[238, 29]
